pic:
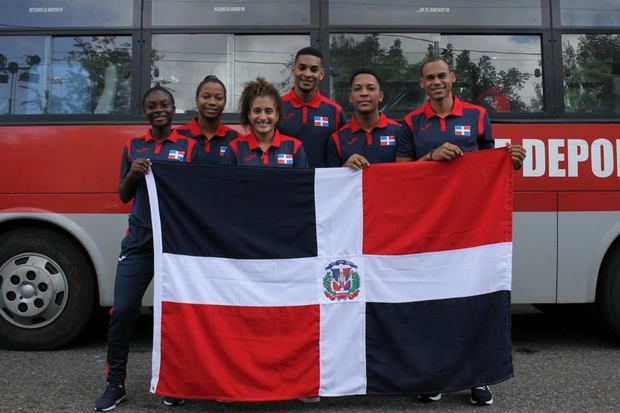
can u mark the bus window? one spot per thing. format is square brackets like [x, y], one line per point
[68, 75]
[90, 74]
[180, 61]
[591, 65]
[501, 73]
[23, 65]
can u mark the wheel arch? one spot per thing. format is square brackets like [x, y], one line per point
[608, 289]
[611, 248]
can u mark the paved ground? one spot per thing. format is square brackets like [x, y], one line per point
[562, 364]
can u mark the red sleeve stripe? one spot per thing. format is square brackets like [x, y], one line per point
[128, 146]
[481, 114]
[338, 117]
[190, 148]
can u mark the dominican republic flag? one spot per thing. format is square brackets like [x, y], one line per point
[177, 155]
[321, 121]
[275, 284]
[285, 159]
[462, 130]
[387, 140]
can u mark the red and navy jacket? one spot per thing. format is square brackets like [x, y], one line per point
[312, 123]
[284, 152]
[378, 145]
[208, 151]
[175, 148]
[468, 126]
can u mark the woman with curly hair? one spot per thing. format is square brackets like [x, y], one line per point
[260, 107]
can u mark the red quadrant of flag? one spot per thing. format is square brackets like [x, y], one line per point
[248, 353]
[438, 214]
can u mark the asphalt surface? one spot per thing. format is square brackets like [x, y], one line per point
[563, 363]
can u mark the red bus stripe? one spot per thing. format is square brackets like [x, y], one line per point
[64, 203]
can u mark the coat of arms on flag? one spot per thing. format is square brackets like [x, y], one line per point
[462, 130]
[322, 121]
[355, 268]
[175, 154]
[342, 280]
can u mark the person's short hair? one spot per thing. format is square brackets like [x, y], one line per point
[210, 79]
[157, 88]
[433, 60]
[252, 90]
[309, 51]
[366, 71]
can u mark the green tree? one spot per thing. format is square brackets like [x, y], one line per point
[93, 55]
[349, 54]
[466, 75]
[591, 72]
[480, 82]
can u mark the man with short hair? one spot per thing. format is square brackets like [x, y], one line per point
[442, 130]
[370, 136]
[306, 114]
[445, 127]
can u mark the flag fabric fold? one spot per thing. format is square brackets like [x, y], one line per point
[275, 284]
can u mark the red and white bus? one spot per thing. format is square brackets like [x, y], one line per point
[72, 74]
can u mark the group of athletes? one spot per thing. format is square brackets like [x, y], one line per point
[301, 129]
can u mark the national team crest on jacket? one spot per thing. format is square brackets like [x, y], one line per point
[341, 280]
[177, 155]
[387, 140]
[462, 130]
[322, 121]
[285, 159]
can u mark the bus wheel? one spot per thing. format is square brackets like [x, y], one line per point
[47, 289]
[608, 290]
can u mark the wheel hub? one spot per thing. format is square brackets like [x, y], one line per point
[33, 292]
[27, 290]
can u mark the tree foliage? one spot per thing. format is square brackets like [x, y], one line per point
[88, 61]
[592, 73]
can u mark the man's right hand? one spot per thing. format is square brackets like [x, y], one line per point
[357, 162]
[446, 153]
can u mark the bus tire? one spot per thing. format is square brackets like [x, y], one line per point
[608, 291]
[47, 289]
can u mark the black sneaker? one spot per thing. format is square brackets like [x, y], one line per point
[113, 395]
[430, 397]
[481, 396]
[173, 401]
